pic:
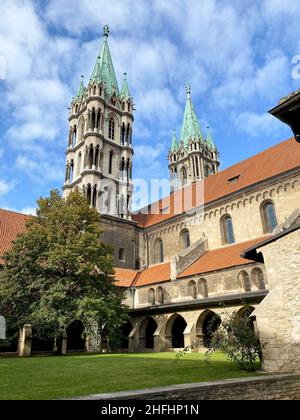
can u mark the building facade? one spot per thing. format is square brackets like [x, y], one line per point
[179, 259]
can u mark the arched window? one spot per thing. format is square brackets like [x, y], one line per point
[183, 176]
[268, 215]
[160, 296]
[74, 139]
[95, 194]
[158, 252]
[227, 230]
[95, 90]
[192, 289]
[258, 279]
[111, 129]
[151, 297]
[111, 162]
[245, 282]
[203, 288]
[72, 171]
[122, 254]
[185, 239]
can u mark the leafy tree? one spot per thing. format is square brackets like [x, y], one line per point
[59, 271]
[237, 339]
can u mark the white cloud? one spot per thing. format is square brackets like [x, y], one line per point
[30, 211]
[256, 125]
[6, 187]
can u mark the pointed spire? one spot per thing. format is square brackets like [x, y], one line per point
[81, 89]
[191, 127]
[209, 139]
[174, 144]
[125, 89]
[104, 69]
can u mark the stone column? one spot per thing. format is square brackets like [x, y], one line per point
[26, 341]
[71, 137]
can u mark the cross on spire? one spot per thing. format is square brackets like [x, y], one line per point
[188, 90]
[106, 31]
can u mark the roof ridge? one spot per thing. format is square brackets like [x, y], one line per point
[160, 201]
[15, 212]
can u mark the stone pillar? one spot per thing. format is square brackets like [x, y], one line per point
[26, 340]
[71, 137]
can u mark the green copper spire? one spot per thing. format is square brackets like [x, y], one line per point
[174, 145]
[81, 90]
[209, 139]
[191, 127]
[104, 68]
[125, 89]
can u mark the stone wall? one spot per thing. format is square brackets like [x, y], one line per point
[220, 283]
[278, 316]
[244, 208]
[278, 387]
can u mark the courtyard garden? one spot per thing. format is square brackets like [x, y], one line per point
[41, 378]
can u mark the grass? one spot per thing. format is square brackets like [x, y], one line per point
[42, 378]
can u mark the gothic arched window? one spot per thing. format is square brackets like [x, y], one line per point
[185, 239]
[111, 162]
[122, 254]
[183, 176]
[268, 216]
[111, 129]
[203, 288]
[258, 279]
[151, 297]
[227, 232]
[192, 289]
[245, 281]
[160, 296]
[158, 252]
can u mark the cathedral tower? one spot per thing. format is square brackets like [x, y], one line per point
[193, 157]
[99, 154]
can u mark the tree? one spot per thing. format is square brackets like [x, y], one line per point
[237, 339]
[59, 271]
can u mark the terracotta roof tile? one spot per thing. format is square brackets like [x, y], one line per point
[154, 274]
[278, 159]
[11, 224]
[220, 259]
[125, 277]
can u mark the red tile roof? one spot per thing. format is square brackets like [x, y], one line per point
[276, 160]
[154, 274]
[220, 259]
[11, 224]
[125, 277]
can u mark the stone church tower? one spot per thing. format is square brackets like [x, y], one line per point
[99, 155]
[193, 157]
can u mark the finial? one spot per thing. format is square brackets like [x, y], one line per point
[82, 78]
[125, 75]
[106, 31]
[188, 90]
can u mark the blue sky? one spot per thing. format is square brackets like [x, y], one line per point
[237, 56]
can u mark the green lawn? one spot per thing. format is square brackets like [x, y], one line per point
[57, 377]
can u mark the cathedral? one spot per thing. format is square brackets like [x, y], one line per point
[182, 259]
